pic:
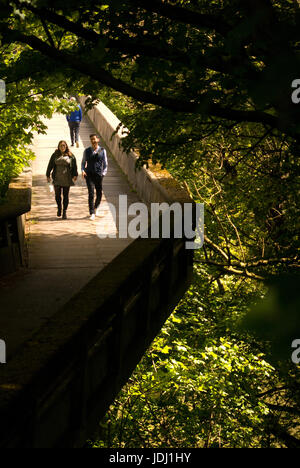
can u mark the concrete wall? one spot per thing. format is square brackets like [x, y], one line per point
[148, 186]
[12, 223]
[56, 389]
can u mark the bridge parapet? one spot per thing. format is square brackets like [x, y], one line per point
[63, 380]
[12, 223]
[152, 184]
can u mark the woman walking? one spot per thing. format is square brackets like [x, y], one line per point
[63, 169]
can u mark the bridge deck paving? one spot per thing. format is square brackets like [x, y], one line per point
[63, 255]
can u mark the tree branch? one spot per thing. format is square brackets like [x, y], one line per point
[230, 270]
[205, 107]
[46, 29]
[282, 434]
[282, 408]
[183, 15]
[153, 49]
[216, 248]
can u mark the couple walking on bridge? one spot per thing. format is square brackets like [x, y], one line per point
[62, 168]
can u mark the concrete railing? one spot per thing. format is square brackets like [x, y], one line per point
[12, 223]
[58, 386]
[151, 186]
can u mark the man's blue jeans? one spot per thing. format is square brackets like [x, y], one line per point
[74, 131]
[94, 181]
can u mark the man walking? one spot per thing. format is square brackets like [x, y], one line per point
[74, 120]
[94, 168]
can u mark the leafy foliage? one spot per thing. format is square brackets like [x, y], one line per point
[202, 383]
[229, 60]
[206, 381]
[23, 112]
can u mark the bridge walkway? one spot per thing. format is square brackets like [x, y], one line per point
[63, 255]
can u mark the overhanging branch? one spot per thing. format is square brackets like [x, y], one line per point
[184, 15]
[205, 107]
[131, 46]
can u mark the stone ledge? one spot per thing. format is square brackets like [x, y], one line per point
[18, 197]
[152, 184]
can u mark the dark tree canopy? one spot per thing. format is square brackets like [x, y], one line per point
[233, 60]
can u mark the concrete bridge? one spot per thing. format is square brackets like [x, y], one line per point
[77, 311]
